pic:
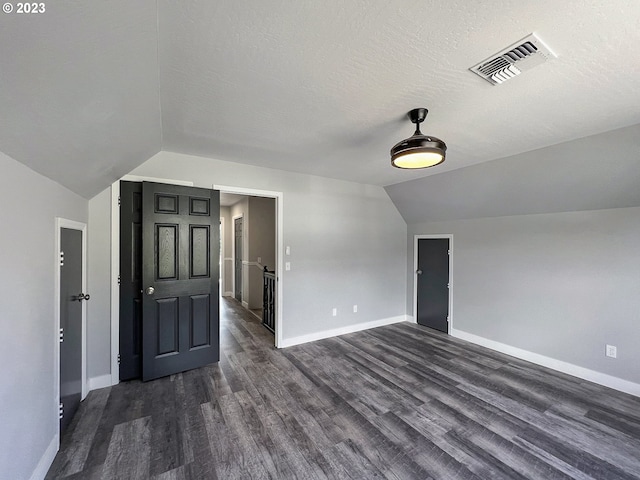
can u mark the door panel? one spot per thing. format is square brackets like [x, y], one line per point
[200, 322]
[130, 280]
[71, 324]
[180, 320]
[433, 283]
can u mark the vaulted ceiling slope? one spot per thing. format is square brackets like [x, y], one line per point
[92, 89]
[79, 94]
[597, 172]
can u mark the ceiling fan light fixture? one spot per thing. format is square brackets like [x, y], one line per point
[418, 151]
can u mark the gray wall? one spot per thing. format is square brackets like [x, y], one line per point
[27, 307]
[227, 264]
[262, 245]
[348, 243]
[561, 285]
[592, 173]
[99, 286]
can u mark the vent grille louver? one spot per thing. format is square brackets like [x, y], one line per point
[527, 53]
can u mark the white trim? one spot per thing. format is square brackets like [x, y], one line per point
[245, 304]
[100, 382]
[221, 264]
[138, 178]
[251, 192]
[564, 367]
[312, 337]
[415, 276]
[47, 458]
[279, 197]
[115, 288]
[227, 294]
[233, 252]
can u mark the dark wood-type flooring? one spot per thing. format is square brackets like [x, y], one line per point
[400, 402]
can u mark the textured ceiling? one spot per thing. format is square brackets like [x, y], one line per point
[323, 87]
[89, 90]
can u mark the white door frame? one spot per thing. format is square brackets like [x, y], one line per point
[415, 276]
[61, 223]
[115, 256]
[222, 260]
[233, 254]
[279, 197]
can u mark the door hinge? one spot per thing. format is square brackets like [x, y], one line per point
[61, 410]
[118, 359]
[118, 279]
[118, 200]
[62, 259]
[61, 335]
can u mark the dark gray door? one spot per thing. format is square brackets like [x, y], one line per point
[433, 283]
[180, 275]
[238, 258]
[130, 280]
[71, 297]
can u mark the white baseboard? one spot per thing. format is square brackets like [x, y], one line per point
[100, 382]
[245, 305]
[312, 337]
[564, 367]
[411, 319]
[46, 460]
[227, 294]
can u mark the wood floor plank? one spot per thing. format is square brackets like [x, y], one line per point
[124, 462]
[77, 442]
[399, 402]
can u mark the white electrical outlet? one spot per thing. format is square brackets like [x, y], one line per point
[335, 312]
[611, 351]
[259, 259]
[287, 250]
[287, 266]
[355, 309]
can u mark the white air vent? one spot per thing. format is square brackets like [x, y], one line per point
[513, 60]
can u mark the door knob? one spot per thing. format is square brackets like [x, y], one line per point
[419, 272]
[150, 290]
[83, 296]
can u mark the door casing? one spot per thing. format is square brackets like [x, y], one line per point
[115, 255]
[415, 276]
[279, 268]
[61, 223]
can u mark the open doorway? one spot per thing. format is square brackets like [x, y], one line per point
[115, 258]
[251, 253]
